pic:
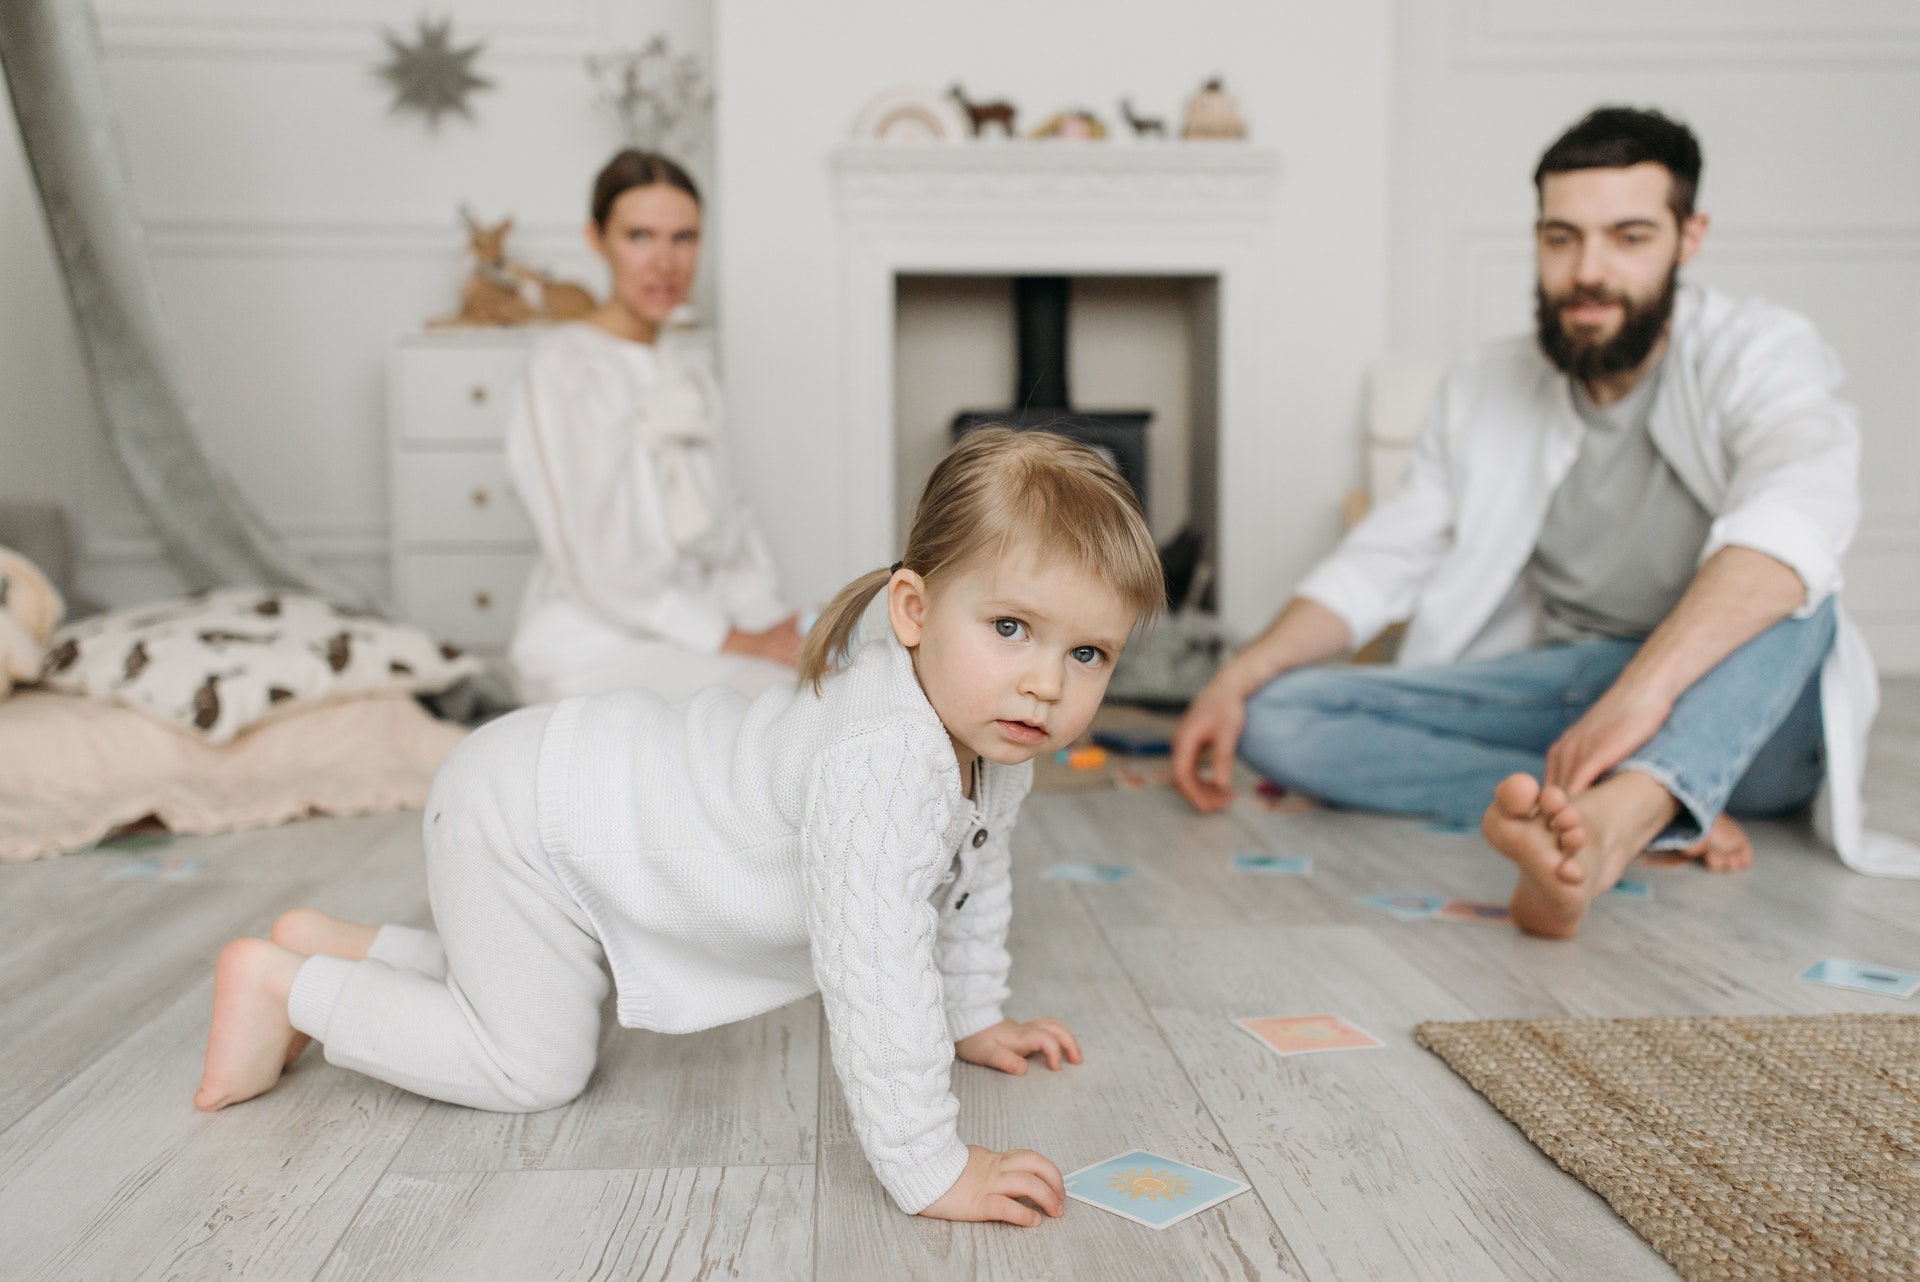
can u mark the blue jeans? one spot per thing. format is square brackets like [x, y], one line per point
[1435, 741]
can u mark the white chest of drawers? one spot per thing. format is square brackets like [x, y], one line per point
[461, 546]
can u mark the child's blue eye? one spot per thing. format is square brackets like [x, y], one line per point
[1008, 628]
[1087, 654]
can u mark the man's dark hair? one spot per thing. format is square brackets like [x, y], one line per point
[1616, 137]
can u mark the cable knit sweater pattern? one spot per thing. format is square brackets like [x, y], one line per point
[734, 855]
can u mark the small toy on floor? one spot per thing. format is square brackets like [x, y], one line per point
[1081, 758]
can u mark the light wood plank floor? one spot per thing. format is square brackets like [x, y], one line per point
[728, 1154]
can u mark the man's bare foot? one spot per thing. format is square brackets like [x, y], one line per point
[1725, 848]
[1551, 897]
[1571, 850]
[247, 1047]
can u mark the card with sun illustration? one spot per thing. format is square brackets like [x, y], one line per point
[1302, 1034]
[1149, 1189]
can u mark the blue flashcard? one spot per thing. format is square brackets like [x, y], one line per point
[1278, 865]
[1092, 874]
[1632, 889]
[158, 868]
[1149, 1189]
[1884, 980]
[1406, 905]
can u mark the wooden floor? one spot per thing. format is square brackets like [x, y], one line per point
[728, 1154]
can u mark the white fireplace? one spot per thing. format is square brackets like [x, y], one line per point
[1188, 210]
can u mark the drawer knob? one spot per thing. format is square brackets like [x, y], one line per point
[480, 496]
[479, 394]
[483, 600]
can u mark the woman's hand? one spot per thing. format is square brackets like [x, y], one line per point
[1006, 1045]
[987, 1188]
[778, 644]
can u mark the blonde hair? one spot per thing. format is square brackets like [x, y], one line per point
[998, 489]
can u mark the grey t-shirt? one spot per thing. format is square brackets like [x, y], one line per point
[1623, 533]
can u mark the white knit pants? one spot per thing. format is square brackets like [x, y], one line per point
[500, 1010]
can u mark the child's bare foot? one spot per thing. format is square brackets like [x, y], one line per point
[248, 1045]
[310, 932]
[1725, 848]
[1551, 897]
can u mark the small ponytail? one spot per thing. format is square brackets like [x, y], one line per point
[834, 628]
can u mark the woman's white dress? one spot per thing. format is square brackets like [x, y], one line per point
[647, 559]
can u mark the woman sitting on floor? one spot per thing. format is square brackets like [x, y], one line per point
[651, 573]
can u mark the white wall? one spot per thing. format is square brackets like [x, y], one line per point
[1808, 117]
[1313, 80]
[296, 227]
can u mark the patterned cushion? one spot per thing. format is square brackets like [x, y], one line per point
[218, 662]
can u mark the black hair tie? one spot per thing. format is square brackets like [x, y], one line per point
[895, 568]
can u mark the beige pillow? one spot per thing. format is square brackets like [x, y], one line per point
[219, 662]
[75, 769]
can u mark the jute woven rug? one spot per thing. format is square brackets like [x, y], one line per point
[1763, 1147]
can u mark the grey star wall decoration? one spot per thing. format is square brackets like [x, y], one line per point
[430, 76]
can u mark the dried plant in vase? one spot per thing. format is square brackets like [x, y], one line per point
[659, 100]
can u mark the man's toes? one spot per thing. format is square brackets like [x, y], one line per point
[1517, 796]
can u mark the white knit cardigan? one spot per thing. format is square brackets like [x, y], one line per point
[734, 855]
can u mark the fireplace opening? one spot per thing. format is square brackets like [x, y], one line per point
[1058, 353]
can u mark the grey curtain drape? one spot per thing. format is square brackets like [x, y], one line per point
[50, 51]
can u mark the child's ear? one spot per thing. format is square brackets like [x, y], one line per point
[907, 606]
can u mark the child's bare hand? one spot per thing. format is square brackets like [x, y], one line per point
[1006, 1045]
[987, 1188]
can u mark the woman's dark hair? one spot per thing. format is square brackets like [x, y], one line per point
[635, 168]
[1616, 137]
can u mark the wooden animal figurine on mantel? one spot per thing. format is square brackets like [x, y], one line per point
[1142, 126]
[1214, 113]
[982, 114]
[504, 292]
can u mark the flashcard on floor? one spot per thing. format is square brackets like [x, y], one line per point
[1277, 865]
[1304, 1034]
[1130, 779]
[1093, 874]
[1884, 980]
[158, 868]
[1474, 913]
[1631, 889]
[1149, 1189]
[1405, 905]
[1664, 859]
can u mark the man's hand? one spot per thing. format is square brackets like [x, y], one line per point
[1211, 729]
[778, 644]
[1623, 719]
[1006, 1046]
[987, 1188]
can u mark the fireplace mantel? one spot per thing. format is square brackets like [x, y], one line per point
[1066, 209]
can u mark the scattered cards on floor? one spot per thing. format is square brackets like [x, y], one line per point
[1094, 874]
[1405, 905]
[158, 868]
[1149, 1189]
[1130, 779]
[1631, 889]
[1862, 978]
[1304, 1034]
[1277, 865]
[1474, 913]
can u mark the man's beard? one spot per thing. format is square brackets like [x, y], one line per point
[1644, 321]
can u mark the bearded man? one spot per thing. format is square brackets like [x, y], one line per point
[1617, 546]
